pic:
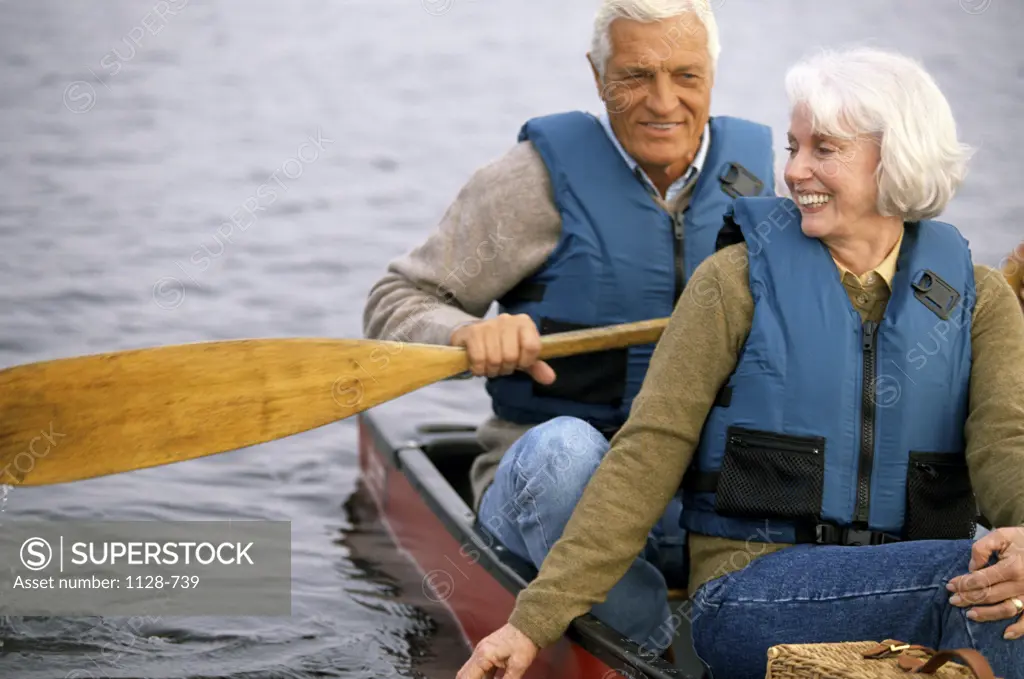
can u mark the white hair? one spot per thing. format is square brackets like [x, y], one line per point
[648, 11]
[865, 91]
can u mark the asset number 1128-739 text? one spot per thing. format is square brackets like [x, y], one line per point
[160, 581]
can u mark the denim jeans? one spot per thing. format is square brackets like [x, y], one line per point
[817, 594]
[537, 485]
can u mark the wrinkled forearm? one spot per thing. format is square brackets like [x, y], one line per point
[501, 228]
[995, 425]
[644, 467]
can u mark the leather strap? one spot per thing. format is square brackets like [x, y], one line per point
[891, 646]
[974, 660]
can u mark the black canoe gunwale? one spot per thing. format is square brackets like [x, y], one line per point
[408, 455]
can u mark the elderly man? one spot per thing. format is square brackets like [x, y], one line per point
[585, 222]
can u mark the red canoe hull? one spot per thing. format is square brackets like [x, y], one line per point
[452, 570]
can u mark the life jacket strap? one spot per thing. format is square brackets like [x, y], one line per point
[828, 534]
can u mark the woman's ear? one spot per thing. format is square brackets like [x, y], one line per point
[1013, 269]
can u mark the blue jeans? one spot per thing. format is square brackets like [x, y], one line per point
[817, 594]
[537, 485]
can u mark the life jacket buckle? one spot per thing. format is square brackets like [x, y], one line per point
[936, 294]
[827, 534]
[739, 182]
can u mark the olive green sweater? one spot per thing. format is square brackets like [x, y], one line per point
[698, 351]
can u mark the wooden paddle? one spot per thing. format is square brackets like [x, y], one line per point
[78, 418]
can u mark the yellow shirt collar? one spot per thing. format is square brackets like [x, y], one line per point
[886, 270]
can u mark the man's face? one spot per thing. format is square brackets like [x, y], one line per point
[657, 90]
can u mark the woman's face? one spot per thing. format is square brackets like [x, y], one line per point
[831, 180]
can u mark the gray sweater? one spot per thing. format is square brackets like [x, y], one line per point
[501, 228]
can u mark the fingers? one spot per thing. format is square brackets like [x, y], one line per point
[993, 583]
[477, 667]
[517, 666]
[488, 655]
[482, 667]
[1014, 631]
[979, 575]
[495, 355]
[501, 345]
[986, 595]
[476, 349]
[511, 345]
[529, 343]
[987, 586]
[989, 590]
[542, 372]
[983, 549]
[507, 648]
[1002, 610]
[530, 346]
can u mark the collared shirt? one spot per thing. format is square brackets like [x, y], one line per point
[677, 186]
[885, 270]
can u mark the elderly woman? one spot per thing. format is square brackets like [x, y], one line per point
[844, 392]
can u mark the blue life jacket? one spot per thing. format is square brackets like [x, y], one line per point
[829, 425]
[621, 258]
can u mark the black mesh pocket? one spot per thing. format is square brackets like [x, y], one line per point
[940, 502]
[768, 475]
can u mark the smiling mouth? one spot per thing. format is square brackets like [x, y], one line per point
[813, 199]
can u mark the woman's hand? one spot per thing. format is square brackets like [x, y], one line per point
[507, 648]
[994, 592]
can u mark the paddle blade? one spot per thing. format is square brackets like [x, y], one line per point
[78, 418]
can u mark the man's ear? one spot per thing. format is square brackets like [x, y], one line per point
[597, 77]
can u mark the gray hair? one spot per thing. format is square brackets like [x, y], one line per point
[648, 11]
[865, 91]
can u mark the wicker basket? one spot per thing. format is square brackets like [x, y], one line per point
[889, 659]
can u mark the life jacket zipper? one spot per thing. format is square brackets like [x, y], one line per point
[678, 249]
[869, 339]
[747, 438]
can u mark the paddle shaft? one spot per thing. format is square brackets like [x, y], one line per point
[598, 339]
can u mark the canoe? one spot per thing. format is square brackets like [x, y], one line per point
[418, 476]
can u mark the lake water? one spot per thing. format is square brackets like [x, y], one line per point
[131, 131]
